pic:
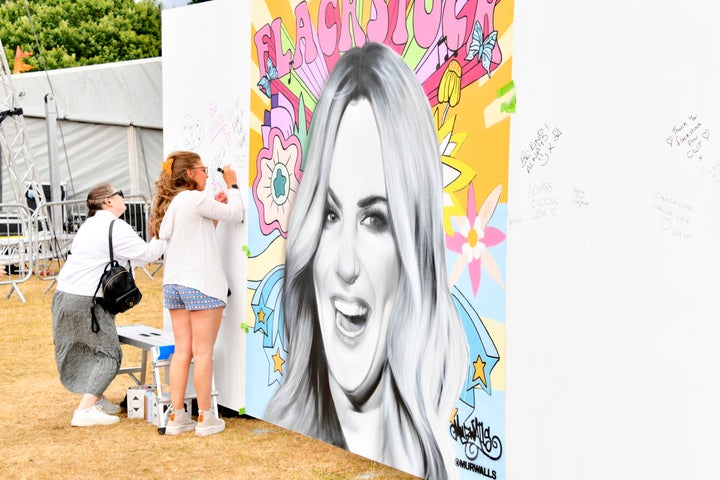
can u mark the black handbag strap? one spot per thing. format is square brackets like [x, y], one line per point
[110, 247]
[112, 259]
[110, 241]
[94, 325]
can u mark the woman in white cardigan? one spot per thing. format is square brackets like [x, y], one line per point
[194, 285]
[88, 360]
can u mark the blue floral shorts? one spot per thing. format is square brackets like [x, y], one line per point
[184, 298]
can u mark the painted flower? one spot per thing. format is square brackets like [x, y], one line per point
[473, 238]
[449, 89]
[277, 180]
[457, 174]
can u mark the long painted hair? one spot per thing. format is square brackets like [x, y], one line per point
[173, 180]
[426, 344]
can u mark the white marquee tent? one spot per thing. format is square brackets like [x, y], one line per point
[109, 125]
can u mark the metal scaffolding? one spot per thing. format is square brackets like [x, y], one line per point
[28, 240]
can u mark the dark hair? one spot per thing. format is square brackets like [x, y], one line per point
[96, 198]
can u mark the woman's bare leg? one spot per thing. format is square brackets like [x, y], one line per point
[205, 325]
[180, 360]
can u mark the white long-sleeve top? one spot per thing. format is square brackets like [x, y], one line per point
[89, 253]
[192, 258]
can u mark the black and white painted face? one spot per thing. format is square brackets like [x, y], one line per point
[356, 267]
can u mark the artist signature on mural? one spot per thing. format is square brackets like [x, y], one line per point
[477, 438]
[541, 148]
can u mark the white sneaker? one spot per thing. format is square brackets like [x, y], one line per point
[107, 406]
[92, 416]
[208, 424]
[179, 422]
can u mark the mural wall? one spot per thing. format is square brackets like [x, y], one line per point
[613, 268]
[207, 112]
[379, 142]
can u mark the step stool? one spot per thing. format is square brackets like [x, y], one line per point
[160, 345]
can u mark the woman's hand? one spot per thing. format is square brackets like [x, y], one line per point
[229, 176]
[221, 197]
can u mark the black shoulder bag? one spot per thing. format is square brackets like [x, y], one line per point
[119, 292]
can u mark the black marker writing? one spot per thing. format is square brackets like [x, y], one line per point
[541, 148]
[477, 439]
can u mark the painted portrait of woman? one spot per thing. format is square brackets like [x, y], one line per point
[377, 354]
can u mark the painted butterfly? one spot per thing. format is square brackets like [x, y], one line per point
[482, 47]
[271, 74]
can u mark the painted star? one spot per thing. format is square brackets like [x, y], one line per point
[278, 362]
[453, 415]
[479, 370]
[276, 356]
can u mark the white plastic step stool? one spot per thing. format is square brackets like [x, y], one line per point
[160, 344]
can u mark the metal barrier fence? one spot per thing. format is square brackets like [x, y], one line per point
[55, 224]
[39, 241]
[16, 239]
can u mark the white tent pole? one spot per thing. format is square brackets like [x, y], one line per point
[143, 155]
[55, 195]
[133, 160]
